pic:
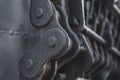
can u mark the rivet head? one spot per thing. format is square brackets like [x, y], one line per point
[39, 12]
[52, 41]
[29, 64]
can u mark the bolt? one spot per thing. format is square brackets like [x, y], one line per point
[39, 12]
[52, 41]
[28, 63]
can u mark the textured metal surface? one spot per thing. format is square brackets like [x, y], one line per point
[59, 40]
[40, 14]
[52, 43]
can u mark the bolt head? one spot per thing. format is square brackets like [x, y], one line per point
[52, 41]
[29, 64]
[39, 12]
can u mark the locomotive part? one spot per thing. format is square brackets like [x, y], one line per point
[59, 40]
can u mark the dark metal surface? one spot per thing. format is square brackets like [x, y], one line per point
[59, 40]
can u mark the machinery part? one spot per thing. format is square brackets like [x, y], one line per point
[59, 40]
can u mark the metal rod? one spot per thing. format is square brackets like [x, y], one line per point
[116, 8]
[115, 50]
[99, 39]
[92, 34]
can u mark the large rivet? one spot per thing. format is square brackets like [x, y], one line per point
[52, 41]
[29, 64]
[39, 12]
